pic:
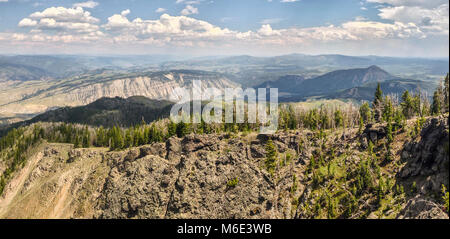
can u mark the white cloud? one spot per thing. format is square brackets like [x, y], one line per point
[26, 22]
[289, 0]
[428, 15]
[62, 24]
[3, 0]
[125, 12]
[266, 30]
[63, 14]
[159, 10]
[88, 4]
[189, 10]
[173, 27]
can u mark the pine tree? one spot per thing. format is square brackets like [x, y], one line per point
[171, 129]
[436, 107]
[389, 136]
[271, 155]
[417, 104]
[86, 138]
[365, 113]
[181, 129]
[378, 103]
[388, 111]
[407, 105]
[361, 125]
[128, 139]
[338, 119]
[77, 143]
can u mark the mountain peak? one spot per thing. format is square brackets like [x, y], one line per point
[375, 68]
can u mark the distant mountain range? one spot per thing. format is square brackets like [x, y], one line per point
[16, 72]
[357, 84]
[30, 85]
[253, 71]
[247, 70]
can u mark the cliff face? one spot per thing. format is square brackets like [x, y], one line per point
[225, 176]
[76, 92]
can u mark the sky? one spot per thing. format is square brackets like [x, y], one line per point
[406, 28]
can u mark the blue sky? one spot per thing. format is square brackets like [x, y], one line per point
[206, 27]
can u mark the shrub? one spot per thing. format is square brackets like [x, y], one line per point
[445, 198]
[233, 182]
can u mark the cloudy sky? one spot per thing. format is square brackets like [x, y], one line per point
[416, 28]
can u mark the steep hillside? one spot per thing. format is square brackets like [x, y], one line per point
[331, 174]
[106, 112]
[342, 79]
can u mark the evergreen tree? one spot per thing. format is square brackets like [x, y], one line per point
[271, 155]
[417, 104]
[128, 139]
[378, 103]
[77, 143]
[181, 129]
[86, 138]
[365, 113]
[338, 119]
[389, 136]
[436, 107]
[172, 129]
[361, 125]
[407, 105]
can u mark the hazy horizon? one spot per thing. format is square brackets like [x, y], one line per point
[192, 57]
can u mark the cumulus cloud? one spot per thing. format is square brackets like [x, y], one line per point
[26, 22]
[165, 27]
[186, 30]
[432, 16]
[189, 10]
[62, 14]
[62, 24]
[266, 30]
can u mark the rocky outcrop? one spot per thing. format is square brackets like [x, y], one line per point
[427, 158]
[421, 208]
[190, 180]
